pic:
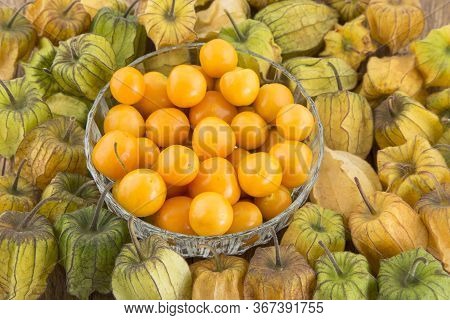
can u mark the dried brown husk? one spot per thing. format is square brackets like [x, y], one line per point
[342, 167]
[58, 20]
[406, 169]
[212, 19]
[54, 146]
[350, 42]
[387, 75]
[383, 225]
[400, 118]
[434, 209]
[395, 23]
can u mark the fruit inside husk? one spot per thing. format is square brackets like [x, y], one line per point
[90, 239]
[17, 36]
[29, 253]
[278, 273]
[434, 209]
[150, 270]
[312, 224]
[343, 276]
[54, 146]
[406, 169]
[69, 192]
[413, 275]
[383, 225]
[218, 278]
[21, 109]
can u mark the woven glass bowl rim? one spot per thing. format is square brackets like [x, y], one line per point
[266, 226]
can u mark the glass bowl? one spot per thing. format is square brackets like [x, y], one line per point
[187, 245]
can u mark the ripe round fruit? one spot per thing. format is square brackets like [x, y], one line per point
[127, 85]
[246, 216]
[250, 129]
[148, 153]
[213, 137]
[216, 175]
[155, 95]
[259, 174]
[106, 160]
[271, 98]
[240, 87]
[186, 86]
[141, 192]
[210, 214]
[174, 216]
[213, 105]
[218, 57]
[295, 158]
[177, 165]
[167, 126]
[124, 118]
[275, 203]
[236, 156]
[295, 122]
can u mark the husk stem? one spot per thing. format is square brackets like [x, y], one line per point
[437, 185]
[364, 196]
[47, 71]
[390, 105]
[135, 240]
[8, 92]
[116, 153]
[99, 207]
[171, 14]
[336, 75]
[130, 8]
[33, 212]
[16, 14]
[70, 128]
[70, 6]
[331, 257]
[216, 256]
[83, 186]
[412, 271]
[16, 179]
[235, 27]
[278, 262]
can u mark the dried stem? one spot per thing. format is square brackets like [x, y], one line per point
[70, 127]
[336, 74]
[218, 261]
[70, 6]
[363, 195]
[235, 27]
[130, 8]
[16, 14]
[17, 178]
[412, 271]
[33, 212]
[278, 262]
[8, 92]
[99, 206]
[134, 239]
[331, 257]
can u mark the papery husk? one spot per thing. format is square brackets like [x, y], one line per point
[400, 118]
[219, 278]
[342, 197]
[406, 169]
[433, 57]
[349, 279]
[317, 77]
[93, 6]
[38, 69]
[348, 9]
[413, 275]
[387, 75]
[347, 121]
[312, 224]
[443, 146]
[168, 22]
[211, 20]
[29, 253]
[21, 110]
[90, 239]
[66, 105]
[165, 62]
[253, 36]
[395, 23]
[17, 41]
[261, 4]
[69, 192]
[58, 20]
[383, 226]
[294, 279]
[434, 209]
[150, 270]
[298, 26]
[350, 42]
[439, 103]
[16, 193]
[54, 146]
